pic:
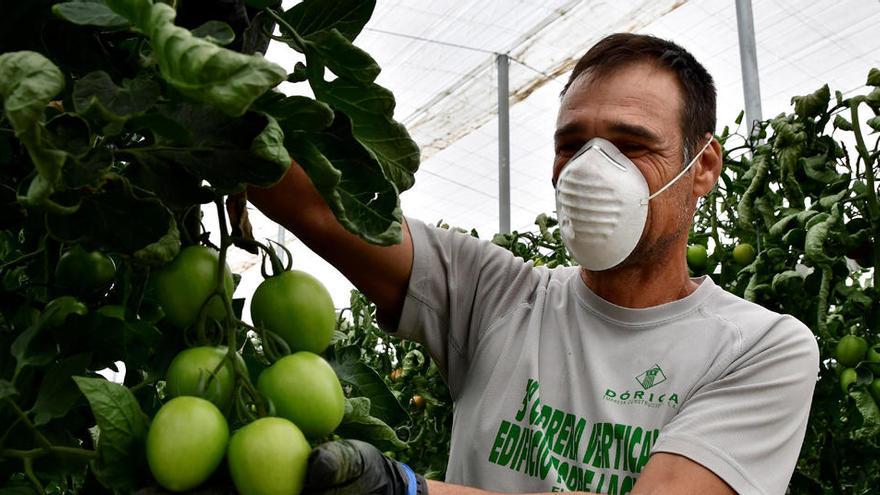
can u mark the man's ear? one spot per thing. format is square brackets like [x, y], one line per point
[707, 169]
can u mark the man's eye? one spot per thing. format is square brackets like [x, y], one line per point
[630, 147]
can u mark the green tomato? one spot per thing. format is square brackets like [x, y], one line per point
[851, 350]
[182, 286]
[744, 254]
[190, 372]
[268, 457]
[304, 389]
[847, 378]
[84, 272]
[297, 307]
[697, 255]
[186, 443]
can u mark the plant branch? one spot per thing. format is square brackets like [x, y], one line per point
[39, 436]
[873, 207]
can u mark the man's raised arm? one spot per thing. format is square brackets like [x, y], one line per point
[382, 273]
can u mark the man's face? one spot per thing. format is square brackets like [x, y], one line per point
[636, 107]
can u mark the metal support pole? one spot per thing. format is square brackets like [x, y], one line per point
[748, 62]
[503, 145]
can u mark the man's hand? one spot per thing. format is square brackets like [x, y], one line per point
[352, 467]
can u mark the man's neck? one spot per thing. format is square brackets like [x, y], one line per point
[642, 285]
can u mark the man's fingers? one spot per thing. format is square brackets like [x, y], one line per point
[334, 464]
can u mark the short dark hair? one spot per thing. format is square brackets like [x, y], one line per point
[697, 115]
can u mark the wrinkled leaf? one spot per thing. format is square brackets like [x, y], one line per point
[870, 414]
[196, 67]
[346, 16]
[874, 123]
[370, 109]
[104, 220]
[96, 93]
[842, 123]
[365, 382]
[357, 423]
[226, 152]
[813, 104]
[7, 389]
[817, 168]
[296, 113]
[89, 13]
[123, 427]
[216, 32]
[350, 181]
[342, 57]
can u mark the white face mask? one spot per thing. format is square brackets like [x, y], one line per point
[602, 204]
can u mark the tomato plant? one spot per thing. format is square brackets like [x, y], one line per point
[122, 124]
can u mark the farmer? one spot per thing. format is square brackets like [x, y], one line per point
[621, 375]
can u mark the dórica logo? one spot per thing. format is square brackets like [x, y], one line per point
[651, 377]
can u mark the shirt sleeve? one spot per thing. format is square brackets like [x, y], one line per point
[748, 425]
[458, 286]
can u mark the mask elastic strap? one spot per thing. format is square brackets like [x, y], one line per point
[680, 174]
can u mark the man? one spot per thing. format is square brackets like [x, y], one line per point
[622, 375]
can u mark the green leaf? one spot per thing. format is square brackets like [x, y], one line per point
[813, 104]
[216, 32]
[370, 109]
[787, 282]
[105, 219]
[28, 81]
[59, 393]
[842, 123]
[350, 180]
[873, 77]
[7, 389]
[346, 16]
[870, 414]
[817, 168]
[97, 94]
[123, 427]
[357, 423]
[367, 383]
[296, 113]
[17, 487]
[227, 152]
[89, 13]
[873, 98]
[832, 199]
[342, 57]
[874, 123]
[197, 68]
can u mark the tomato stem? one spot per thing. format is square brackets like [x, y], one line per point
[873, 207]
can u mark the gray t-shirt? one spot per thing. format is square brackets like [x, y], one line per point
[557, 389]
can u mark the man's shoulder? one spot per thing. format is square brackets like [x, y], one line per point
[761, 328]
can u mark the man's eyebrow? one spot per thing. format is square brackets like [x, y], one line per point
[618, 127]
[634, 130]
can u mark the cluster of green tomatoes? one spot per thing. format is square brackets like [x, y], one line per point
[852, 350]
[189, 436]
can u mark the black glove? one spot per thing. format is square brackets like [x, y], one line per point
[352, 467]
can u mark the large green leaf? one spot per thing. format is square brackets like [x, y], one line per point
[197, 67]
[227, 152]
[365, 382]
[296, 113]
[350, 179]
[813, 104]
[96, 92]
[371, 108]
[58, 393]
[28, 81]
[357, 423]
[121, 221]
[123, 428]
[342, 57]
[90, 13]
[346, 16]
